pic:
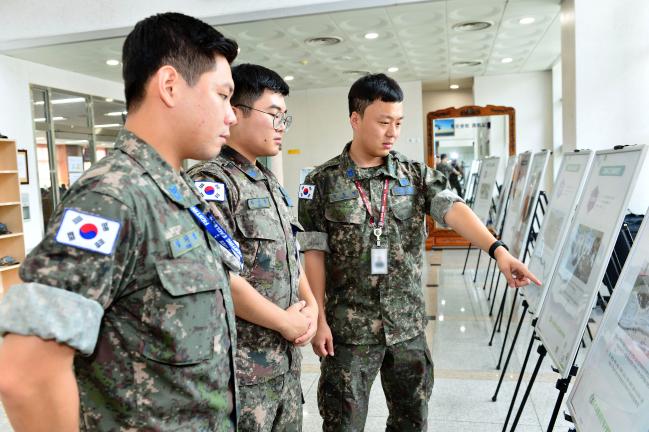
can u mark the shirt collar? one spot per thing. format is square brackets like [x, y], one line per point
[352, 172]
[252, 171]
[175, 185]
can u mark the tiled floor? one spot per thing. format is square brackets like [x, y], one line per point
[465, 374]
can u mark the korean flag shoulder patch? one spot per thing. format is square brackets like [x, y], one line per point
[211, 191]
[89, 232]
[306, 191]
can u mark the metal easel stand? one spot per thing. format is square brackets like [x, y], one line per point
[540, 207]
[561, 385]
[533, 339]
[470, 202]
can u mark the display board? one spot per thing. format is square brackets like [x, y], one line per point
[485, 190]
[504, 191]
[470, 181]
[611, 392]
[582, 262]
[561, 209]
[524, 216]
[516, 195]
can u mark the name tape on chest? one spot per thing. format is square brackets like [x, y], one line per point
[306, 191]
[89, 232]
[211, 191]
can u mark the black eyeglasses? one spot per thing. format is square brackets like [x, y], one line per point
[279, 119]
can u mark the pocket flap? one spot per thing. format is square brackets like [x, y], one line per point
[258, 225]
[181, 277]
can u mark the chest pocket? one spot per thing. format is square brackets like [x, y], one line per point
[344, 206]
[402, 202]
[260, 223]
[183, 313]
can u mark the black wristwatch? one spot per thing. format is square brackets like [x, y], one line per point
[494, 246]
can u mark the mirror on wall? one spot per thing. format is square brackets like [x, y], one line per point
[466, 135]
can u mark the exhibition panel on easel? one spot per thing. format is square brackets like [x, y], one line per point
[485, 190]
[582, 263]
[611, 392]
[563, 201]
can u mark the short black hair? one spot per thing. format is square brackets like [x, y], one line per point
[370, 88]
[184, 42]
[443, 156]
[250, 82]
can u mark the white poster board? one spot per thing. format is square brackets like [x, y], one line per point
[582, 262]
[525, 214]
[485, 190]
[471, 179]
[504, 191]
[552, 235]
[516, 196]
[611, 392]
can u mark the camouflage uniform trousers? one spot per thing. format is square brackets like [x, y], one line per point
[406, 376]
[274, 405]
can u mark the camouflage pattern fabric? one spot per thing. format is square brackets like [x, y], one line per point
[346, 379]
[163, 360]
[273, 405]
[257, 211]
[362, 308]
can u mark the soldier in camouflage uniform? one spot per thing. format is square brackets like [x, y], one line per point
[251, 204]
[364, 264]
[126, 283]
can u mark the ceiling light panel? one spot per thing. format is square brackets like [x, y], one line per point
[417, 37]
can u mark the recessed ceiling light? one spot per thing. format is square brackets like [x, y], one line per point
[467, 63]
[507, 60]
[116, 114]
[110, 125]
[321, 41]
[393, 69]
[371, 35]
[109, 99]
[42, 119]
[356, 72]
[471, 26]
[112, 62]
[527, 20]
[289, 78]
[454, 86]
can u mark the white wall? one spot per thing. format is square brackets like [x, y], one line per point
[610, 67]
[16, 118]
[321, 129]
[530, 94]
[436, 100]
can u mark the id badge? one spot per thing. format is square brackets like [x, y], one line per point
[379, 261]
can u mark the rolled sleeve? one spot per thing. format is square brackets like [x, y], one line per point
[441, 204]
[34, 309]
[313, 240]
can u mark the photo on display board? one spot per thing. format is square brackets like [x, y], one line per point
[584, 248]
[551, 233]
[485, 191]
[635, 317]
[444, 127]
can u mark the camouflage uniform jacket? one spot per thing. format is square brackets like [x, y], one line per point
[362, 308]
[257, 211]
[161, 358]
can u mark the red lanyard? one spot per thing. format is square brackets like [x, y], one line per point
[368, 206]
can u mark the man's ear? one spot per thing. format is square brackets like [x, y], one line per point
[355, 120]
[167, 81]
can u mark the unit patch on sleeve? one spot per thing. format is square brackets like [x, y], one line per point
[306, 191]
[211, 191]
[89, 232]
